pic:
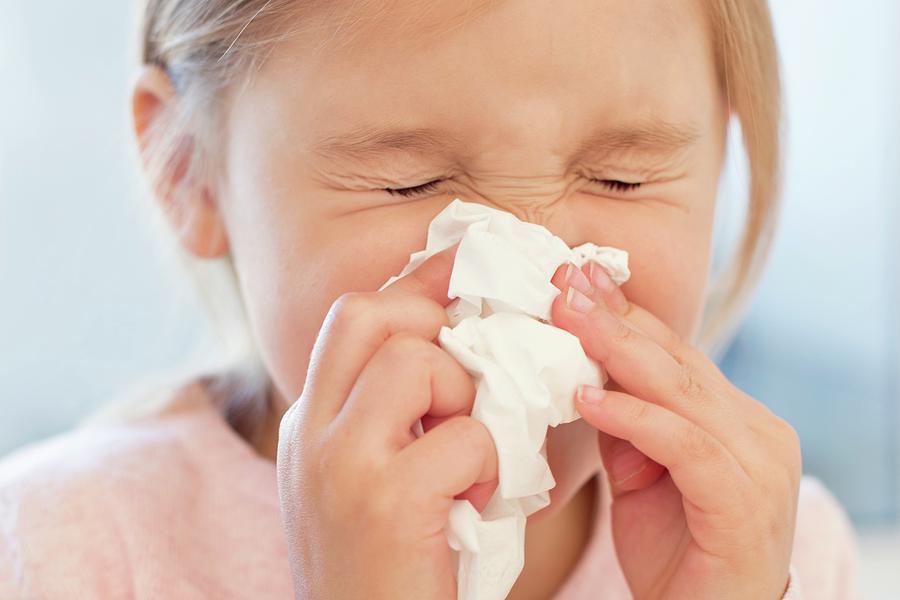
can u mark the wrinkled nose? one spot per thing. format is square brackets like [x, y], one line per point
[523, 166]
[555, 207]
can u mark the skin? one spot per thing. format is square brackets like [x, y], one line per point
[312, 235]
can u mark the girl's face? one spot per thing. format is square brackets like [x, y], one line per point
[533, 107]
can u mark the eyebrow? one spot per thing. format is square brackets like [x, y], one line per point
[652, 136]
[370, 142]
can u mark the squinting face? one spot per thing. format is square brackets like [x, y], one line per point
[532, 107]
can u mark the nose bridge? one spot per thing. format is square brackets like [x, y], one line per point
[550, 201]
[532, 132]
[558, 215]
[523, 166]
[524, 161]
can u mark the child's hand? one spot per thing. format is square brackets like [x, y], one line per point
[365, 502]
[711, 512]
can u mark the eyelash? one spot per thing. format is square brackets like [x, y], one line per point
[612, 184]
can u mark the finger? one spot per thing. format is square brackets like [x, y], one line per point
[430, 279]
[479, 494]
[605, 289]
[704, 470]
[594, 281]
[633, 360]
[406, 379]
[449, 459]
[628, 468]
[642, 367]
[359, 322]
[694, 364]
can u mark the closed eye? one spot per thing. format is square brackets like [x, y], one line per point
[415, 190]
[618, 186]
[425, 188]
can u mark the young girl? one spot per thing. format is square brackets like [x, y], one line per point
[302, 148]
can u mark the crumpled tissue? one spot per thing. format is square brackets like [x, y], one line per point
[525, 370]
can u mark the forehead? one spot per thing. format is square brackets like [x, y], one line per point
[488, 67]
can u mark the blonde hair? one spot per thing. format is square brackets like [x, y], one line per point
[207, 46]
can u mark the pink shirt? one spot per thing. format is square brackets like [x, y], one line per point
[176, 505]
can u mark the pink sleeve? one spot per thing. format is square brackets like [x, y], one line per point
[58, 537]
[825, 553]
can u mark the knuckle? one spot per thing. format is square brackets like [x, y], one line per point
[405, 347]
[472, 433]
[622, 333]
[671, 340]
[351, 310]
[688, 383]
[696, 444]
[638, 412]
[472, 436]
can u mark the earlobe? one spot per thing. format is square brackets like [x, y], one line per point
[186, 200]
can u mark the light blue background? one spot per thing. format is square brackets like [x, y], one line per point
[84, 310]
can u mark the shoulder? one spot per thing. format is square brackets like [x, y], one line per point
[69, 504]
[96, 456]
[825, 550]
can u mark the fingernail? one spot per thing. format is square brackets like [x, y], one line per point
[577, 279]
[611, 292]
[589, 394]
[578, 301]
[600, 278]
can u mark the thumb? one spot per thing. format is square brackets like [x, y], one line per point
[430, 279]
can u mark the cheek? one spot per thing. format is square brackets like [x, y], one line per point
[296, 262]
[669, 276]
[668, 247]
[293, 268]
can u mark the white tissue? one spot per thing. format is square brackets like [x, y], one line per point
[525, 370]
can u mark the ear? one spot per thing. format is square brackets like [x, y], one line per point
[187, 202]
